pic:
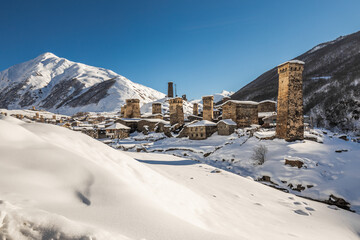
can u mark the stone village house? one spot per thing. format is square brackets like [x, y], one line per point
[117, 131]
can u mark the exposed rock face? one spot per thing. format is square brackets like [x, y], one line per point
[290, 118]
[331, 80]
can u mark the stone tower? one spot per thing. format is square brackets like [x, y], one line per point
[156, 108]
[208, 107]
[176, 111]
[195, 109]
[170, 90]
[132, 109]
[290, 118]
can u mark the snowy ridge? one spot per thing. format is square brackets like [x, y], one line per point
[59, 85]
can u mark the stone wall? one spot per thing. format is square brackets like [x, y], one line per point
[195, 109]
[246, 114]
[118, 133]
[176, 111]
[229, 110]
[122, 111]
[225, 129]
[156, 108]
[267, 106]
[290, 119]
[170, 90]
[201, 132]
[132, 109]
[208, 107]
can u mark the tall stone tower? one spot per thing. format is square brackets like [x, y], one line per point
[132, 109]
[195, 109]
[208, 108]
[290, 118]
[176, 111]
[156, 108]
[170, 90]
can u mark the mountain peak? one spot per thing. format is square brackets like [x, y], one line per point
[47, 55]
[57, 84]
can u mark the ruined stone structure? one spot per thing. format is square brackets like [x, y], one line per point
[132, 109]
[244, 113]
[208, 107]
[195, 109]
[176, 111]
[290, 119]
[156, 108]
[170, 90]
[267, 106]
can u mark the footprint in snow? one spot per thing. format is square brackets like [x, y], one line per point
[291, 198]
[301, 212]
[258, 204]
[309, 209]
[297, 203]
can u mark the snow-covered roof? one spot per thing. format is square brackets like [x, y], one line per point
[271, 101]
[240, 102]
[293, 61]
[154, 120]
[82, 128]
[266, 114]
[202, 123]
[131, 119]
[117, 126]
[228, 122]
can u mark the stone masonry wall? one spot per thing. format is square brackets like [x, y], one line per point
[156, 108]
[290, 120]
[132, 109]
[176, 111]
[208, 107]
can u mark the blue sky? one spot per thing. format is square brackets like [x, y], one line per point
[202, 46]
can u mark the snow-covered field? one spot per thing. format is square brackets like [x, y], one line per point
[324, 172]
[60, 184]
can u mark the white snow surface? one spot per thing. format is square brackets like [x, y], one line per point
[60, 184]
[328, 172]
[48, 71]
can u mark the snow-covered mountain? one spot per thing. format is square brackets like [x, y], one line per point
[331, 84]
[59, 85]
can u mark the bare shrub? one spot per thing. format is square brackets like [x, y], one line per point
[259, 154]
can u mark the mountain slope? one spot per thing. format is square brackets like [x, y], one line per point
[331, 84]
[59, 85]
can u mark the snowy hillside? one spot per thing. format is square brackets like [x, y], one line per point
[59, 85]
[331, 86]
[60, 184]
[329, 168]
